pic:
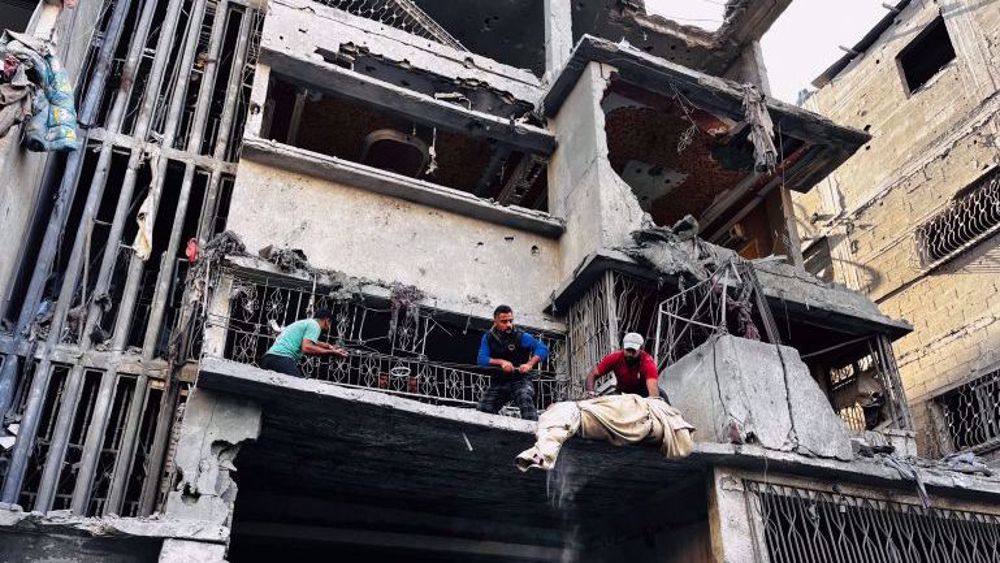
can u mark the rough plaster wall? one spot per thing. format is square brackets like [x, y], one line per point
[599, 208]
[925, 149]
[467, 265]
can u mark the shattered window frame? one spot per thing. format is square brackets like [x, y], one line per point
[932, 43]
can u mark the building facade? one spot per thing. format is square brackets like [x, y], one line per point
[911, 220]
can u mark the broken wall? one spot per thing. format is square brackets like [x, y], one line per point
[928, 146]
[599, 208]
[735, 390]
[466, 264]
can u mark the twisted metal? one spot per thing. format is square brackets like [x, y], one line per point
[798, 525]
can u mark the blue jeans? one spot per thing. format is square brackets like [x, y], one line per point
[506, 388]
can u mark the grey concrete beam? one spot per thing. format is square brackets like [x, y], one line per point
[181, 551]
[111, 526]
[396, 185]
[320, 74]
[558, 35]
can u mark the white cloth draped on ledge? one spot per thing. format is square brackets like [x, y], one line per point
[618, 419]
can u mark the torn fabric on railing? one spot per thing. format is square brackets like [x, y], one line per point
[761, 129]
[617, 419]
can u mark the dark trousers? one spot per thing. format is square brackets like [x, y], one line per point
[504, 389]
[281, 364]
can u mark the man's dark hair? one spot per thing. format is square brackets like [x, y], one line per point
[321, 314]
[502, 309]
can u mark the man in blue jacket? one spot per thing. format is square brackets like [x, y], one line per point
[516, 353]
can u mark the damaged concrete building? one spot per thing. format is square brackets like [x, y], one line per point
[912, 219]
[410, 165]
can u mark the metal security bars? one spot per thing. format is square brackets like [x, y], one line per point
[161, 111]
[967, 418]
[401, 14]
[972, 217]
[797, 525]
[616, 304]
[399, 348]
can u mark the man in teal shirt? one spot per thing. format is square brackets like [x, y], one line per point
[298, 338]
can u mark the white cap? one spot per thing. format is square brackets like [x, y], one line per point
[632, 341]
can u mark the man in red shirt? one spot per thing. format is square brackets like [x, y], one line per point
[633, 367]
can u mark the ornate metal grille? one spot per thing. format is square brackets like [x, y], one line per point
[971, 415]
[614, 305]
[970, 218]
[401, 14]
[389, 346]
[805, 526]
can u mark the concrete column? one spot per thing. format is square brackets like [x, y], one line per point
[558, 35]
[734, 536]
[791, 228]
[214, 343]
[599, 208]
[214, 426]
[184, 551]
[749, 67]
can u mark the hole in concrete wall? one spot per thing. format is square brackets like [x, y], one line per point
[78, 434]
[305, 119]
[681, 160]
[926, 55]
[47, 420]
[705, 15]
[111, 445]
[510, 32]
[654, 34]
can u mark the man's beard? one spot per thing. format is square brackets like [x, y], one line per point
[632, 361]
